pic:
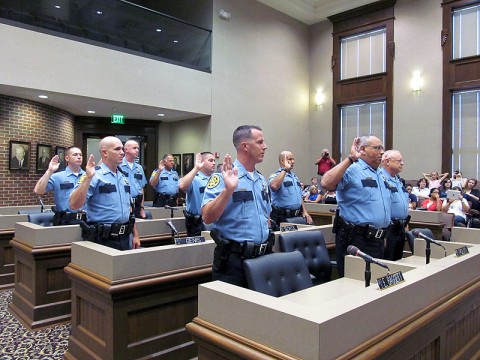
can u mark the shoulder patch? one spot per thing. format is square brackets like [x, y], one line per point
[82, 177]
[213, 182]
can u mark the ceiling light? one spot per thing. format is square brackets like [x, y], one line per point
[43, 96]
[91, 111]
[57, 6]
[99, 12]
[161, 114]
[175, 41]
[158, 30]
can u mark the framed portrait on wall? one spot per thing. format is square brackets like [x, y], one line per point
[187, 163]
[19, 155]
[60, 151]
[177, 158]
[44, 155]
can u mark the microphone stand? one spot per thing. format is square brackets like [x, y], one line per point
[427, 252]
[368, 274]
[171, 217]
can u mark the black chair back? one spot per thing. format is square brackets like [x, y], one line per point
[277, 274]
[297, 220]
[43, 218]
[411, 237]
[314, 250]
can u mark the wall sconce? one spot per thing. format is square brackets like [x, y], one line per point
[319, 98]
[416, 82]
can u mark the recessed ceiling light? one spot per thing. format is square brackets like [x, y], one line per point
[158, 30]
[43, 96]
[99, 12]
[91, 111]
[161, 114]
[57, 6]
[175, 41]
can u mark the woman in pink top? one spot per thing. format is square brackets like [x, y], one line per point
[435, 180]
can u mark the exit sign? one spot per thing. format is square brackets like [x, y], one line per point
[118, 119]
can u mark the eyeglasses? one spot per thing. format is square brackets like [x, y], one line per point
[397, 160]
[376, 147]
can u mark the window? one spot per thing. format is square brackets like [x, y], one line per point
[466, 133]
[358, 120]
[363, 54]
[466, 32]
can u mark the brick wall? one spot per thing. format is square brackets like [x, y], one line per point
[29, 121]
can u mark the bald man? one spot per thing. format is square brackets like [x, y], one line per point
[105, 191]
[287, 199]
[392, 165]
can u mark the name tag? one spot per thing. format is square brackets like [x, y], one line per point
[461, 251]
[138, 176]
[66, 186]
[190, 240]
[390, 280]
[107, 189]
[288, 228]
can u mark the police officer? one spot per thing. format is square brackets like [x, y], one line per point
[392, 165]
[194, 184]
[364, 205]
[165, 182]
[287, 199]
[237, 203]
[136, 176]
[62, 184]
[105, 191]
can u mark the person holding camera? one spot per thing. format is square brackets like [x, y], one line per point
[458, 180]
[324, 163]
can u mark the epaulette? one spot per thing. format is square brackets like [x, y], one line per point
[98, 167]
[122, 171]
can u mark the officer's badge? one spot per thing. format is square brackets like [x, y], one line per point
[213, 181]
[82, 177]
[126, 182]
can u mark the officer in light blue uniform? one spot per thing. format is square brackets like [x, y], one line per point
[364, 205]
[246, 215]
[164, 180]
[286, 192]
[62, 184]
[105, 191]
[194, 184]
[392, 165]
[136, 176]
[237, 203]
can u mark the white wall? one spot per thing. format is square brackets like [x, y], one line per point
[260, 76]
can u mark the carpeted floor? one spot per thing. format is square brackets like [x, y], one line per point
[16, 342]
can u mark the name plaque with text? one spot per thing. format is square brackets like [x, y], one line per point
[461, 251]
[288, 228]
[390, 280]
[190, 240]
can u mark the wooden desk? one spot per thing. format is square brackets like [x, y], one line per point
[321, 214]
[430, 315]
[135, 304]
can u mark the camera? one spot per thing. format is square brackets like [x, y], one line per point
[326, 154]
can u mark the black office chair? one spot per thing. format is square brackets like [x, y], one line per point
[314, 250]
[43, 218]
[277, 274]
[296, 220]
[411, 237]
[30, 211]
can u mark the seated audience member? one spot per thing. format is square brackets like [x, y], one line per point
[412, 199]
[458, 179]
[459, 207]
[306, 189]
[330, 197]
[471, 194]
[433, 203]
[446, 185]
[421, 190]
[313, 196]
[434, 179]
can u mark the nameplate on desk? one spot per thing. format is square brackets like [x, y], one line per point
[288, 228]
[390, 280]
[190, 240]
[461, 251]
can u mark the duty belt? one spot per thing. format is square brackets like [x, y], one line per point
[109, 231]
[248, 249]
[287, 212]
[74, 216]
[370, 231]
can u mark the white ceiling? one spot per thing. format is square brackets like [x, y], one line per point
[306, 11]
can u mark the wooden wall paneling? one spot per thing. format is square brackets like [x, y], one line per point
[7, 261]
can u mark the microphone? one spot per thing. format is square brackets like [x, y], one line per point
[171, 226]
[419, 234]
[353, 250]
[42, 205]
